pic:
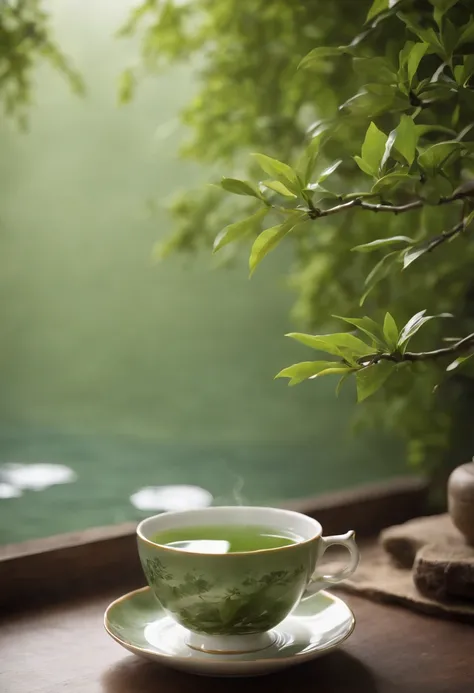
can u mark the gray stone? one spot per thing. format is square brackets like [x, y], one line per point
[445, 572]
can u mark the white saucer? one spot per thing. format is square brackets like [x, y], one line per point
[138, 623]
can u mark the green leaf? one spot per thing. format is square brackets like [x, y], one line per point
[425, 129]
[371, 378]
[377, 70]
[341, 382]
[334, 344]
[427, 35]
[329, 170]
[380, 271]
[420, 249]
[376, 8]
[126, 86]
[269, 239]
[363, 166]
[334, 371]
[319, 54]
[373, 148]
[434, 188]
[414, 253]
[467, 33]
[449, 37]
[240, 187]
[469, 219]
[279, 170]
[414, 59]
[457, 362]
[309, 158]
[235, 232]
[440, 9]
[302, 371]
[388, 150]
[278, 187]
[323, 194]
[379, 6]
[403, 56]
[391, 182]
[443, 5]
[382, 242]
[468, 70]
[415, 323]
[390, 331]
[370, 104]
[433, 158]
[438, 91]
[406, 138]
[459, 74]
[366, 325]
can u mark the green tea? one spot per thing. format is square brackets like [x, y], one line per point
[225, 538]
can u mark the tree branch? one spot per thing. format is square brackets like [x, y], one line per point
[445, 236]
[458, 347]
[358, 202]
[415, 251]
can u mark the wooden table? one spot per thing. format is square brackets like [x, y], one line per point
[64, 649]
[53, 641]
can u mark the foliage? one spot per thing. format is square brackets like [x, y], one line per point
[25, 38]
[363, 114]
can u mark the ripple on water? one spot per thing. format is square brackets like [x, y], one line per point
[9, 491]
[165, 498]
[34, 477]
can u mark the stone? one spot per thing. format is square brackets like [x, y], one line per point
[461, 499]
[404, 541]
[445, 572]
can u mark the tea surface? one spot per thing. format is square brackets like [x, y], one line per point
[225, 538]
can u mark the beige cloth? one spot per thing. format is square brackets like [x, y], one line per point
[378, 578]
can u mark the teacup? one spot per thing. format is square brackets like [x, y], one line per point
[230, 602]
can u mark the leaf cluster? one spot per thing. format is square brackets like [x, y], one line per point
[362, 117]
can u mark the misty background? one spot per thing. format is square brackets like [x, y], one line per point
[128, 373]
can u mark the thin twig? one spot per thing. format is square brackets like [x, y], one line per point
[445, 236]
[358, 202]
[459, 347]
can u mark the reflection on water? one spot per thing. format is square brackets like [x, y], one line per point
[179, 497]
[9, 491]
[35, 477]
[201, 545]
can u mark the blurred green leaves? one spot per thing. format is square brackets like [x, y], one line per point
[26, 40]
[380, 112]
[239, 230]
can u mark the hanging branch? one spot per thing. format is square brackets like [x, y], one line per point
[358, 202]
[460, 347]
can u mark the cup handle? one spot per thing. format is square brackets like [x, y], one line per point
[318, 582]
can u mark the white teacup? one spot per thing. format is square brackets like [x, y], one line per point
[229, 602]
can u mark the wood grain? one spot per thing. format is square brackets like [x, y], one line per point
[50, 570]
[64, 649]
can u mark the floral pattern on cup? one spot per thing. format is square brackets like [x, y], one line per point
[253, 605]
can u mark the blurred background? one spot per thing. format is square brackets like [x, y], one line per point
[117, 373]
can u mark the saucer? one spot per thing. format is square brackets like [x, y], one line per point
[138, 622]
